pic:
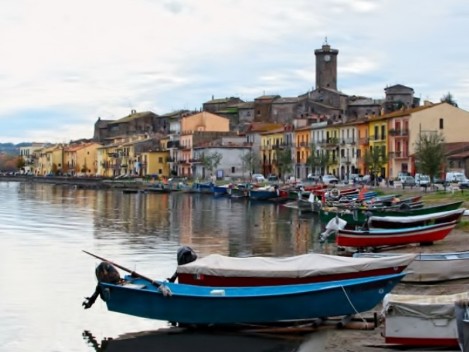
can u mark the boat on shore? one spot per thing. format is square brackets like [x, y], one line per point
[358, 216]
[219, 270]
[375, 238]
[201, 305]
[418, 320]
[183, 305]
[430, 267]
[396, 222]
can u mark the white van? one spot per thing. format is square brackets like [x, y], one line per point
[455, 177]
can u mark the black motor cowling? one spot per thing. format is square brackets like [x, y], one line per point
[105, 272]
[186, 255]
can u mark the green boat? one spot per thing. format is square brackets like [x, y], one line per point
[357, 217]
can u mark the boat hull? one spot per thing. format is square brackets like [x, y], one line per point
[393, 237]
[200, 305]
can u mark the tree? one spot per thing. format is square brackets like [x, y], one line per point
[211, 161]
[20, 163]
[284, 161]
[448, 98]
[318, 160]
[375, 159]
[251, 162]
[430, 154]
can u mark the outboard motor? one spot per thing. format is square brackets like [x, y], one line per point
[185, 255]
[105, 272]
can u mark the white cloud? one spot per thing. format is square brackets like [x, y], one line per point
[102, 58]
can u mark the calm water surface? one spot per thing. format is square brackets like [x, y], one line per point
[45, 275]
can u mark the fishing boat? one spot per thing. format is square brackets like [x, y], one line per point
[430, 267]
[219, 270]
[183, 304]
[358, 216]
[374, 238]
[394, 222]
[201, 305]
[418, 320]
[266, 193]
[220, 190]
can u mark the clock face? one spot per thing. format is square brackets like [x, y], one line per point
[327, 58]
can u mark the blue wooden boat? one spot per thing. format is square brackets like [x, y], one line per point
[202, 187]
[201, 305]
[220, 191]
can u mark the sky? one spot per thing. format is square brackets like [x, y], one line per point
[64, 64]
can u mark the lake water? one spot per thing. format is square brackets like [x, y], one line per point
[45, 275]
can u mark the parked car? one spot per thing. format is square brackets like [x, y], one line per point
[258, 178]
[408, 181]
[330, 180]
[422, 180]
[313, 178]
[272, 178]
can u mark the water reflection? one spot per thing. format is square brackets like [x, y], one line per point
[180, 340]
[45, 227]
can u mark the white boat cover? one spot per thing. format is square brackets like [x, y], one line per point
[425, 307]
[312, 264]
[410, 219]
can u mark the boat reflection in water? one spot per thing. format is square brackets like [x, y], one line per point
[179, 339]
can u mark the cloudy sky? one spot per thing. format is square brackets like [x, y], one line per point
[65, 63]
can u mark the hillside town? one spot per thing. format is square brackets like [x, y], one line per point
[249, 137]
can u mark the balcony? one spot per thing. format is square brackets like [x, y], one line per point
[399, 155]
[365, 141]
[399, 132]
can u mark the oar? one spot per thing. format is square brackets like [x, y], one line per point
[165, 290]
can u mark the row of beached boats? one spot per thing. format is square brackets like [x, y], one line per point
[233, 292]
[440, 321]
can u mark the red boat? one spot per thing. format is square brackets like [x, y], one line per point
[219, 270]
[394, 237]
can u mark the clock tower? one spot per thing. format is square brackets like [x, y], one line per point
[326, 66]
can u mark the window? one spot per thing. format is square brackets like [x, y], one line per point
[232, 169]
[441, 124]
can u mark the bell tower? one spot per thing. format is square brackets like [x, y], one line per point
[326, 66]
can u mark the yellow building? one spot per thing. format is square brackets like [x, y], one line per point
[302, 150]
[50, 160]
[81, 159]
[271, 142]
[156, 163]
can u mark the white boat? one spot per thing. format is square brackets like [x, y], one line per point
[431, 267]
[416, 320]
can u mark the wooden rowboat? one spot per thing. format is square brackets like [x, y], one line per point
[431, 267]
[426, 234]
[200, 305]
[358, 217]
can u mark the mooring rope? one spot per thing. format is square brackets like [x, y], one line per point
[355, 309]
